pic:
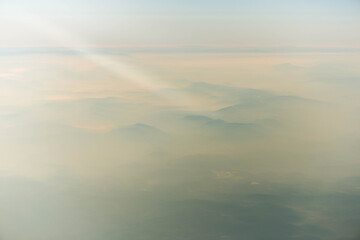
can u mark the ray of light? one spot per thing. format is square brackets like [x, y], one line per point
[115, 66]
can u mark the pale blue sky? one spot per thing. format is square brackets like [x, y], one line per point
[110, 23]
[185, 6]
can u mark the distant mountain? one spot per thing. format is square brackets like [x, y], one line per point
[138, 132]
[198, 118]
[221, 128]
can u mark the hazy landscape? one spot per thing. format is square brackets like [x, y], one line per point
[179, 121]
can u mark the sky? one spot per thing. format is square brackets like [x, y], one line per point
[246, 23]
[179, 120]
